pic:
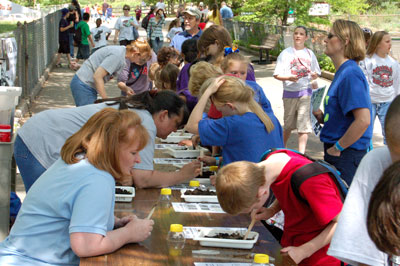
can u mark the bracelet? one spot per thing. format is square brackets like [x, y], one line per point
[217, 161]
[338, 147]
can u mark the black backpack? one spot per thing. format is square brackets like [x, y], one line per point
[315, 168]
[78, 37]
[145, 21]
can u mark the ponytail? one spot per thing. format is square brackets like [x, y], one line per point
[262, 115]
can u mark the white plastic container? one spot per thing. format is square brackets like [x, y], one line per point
[183, 153]
[8, 101]
[176, 137]
[225, 243]
[125, 197]
[198, 198]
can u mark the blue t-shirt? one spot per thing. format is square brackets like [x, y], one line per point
[65, 199]
[226, 12]
[349, 90]
[242, 137]
[179, 38]
[259, 96]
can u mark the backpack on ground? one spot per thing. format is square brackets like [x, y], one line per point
[307, 171]
[78, 37]
[145, 21]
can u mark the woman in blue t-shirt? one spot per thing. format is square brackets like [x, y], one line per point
[347, 132]
[245, 131]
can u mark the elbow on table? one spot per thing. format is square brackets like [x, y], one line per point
[81, 248]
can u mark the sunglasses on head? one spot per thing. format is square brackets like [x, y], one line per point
[366, 30]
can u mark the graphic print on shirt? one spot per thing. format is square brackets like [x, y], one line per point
[300, 67]
[126, 23]
[98, 35]
[382, 76]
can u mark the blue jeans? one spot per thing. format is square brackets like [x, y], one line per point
[83, 94]
[156, 45]
[380, 109]
[346, 163]
[29, 167]
[71, 44]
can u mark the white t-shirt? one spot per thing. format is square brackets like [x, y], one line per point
[99, 36]
[175, 30]
[125, 28]
[383, 77]
[160, 5]
[299, 63]
[351, 242]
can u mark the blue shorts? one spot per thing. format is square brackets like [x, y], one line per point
[83, 51]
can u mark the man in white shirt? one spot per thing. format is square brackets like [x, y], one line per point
[160, 4]
[100, 35]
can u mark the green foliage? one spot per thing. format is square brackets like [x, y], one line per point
[7, 26]
[325, 63]
[352, 7]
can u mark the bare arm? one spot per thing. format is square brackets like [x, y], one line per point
[154, 178]
[292, 78]
[299, 253]
[91, 40]
[123, 87]
[98, 76]
[116, 36]
[67, 28]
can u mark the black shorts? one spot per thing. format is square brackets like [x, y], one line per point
[83, 51]
[125, 42]
[63, 47]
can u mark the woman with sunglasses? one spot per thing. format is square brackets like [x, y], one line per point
[124, 27]
[347, 127]
[100, 67]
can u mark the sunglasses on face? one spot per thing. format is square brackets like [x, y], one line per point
[330, 35]
[125, 9]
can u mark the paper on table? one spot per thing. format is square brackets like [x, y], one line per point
[191, 231]
[197, 207]
[172, 161]
[221, 264]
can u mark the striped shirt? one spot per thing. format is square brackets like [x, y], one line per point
[154, 29]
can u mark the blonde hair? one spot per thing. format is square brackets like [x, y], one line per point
[349, 30]
[199, 73]
[375, 40]
[235, 90]
[140, 45]
[226, 63]
[237, 185]
[100, 138]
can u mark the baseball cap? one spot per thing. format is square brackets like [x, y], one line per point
[201, 4]
[64, 11]
[71, 8]
[193, 11]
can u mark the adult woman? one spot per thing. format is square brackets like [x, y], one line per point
[212, 44]
[382, 73]
[154, 30]
[134, 78]
[39, 140]
[347, 132]
[215, 16]
[240, 113]
[70, 209]
[124, 27]
[99, 68]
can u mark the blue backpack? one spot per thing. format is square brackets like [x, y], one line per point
[317, 167]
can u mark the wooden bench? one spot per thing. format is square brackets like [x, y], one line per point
[267, 44]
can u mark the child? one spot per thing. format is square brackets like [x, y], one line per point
[382, 73]
[84, 49]
[63, 37]
[351, 242]
[243, 187]
[297, 66]
[168, 77]
[174, 28]
[70, 208]
[240, 112]
[165, 55]
[100, 35]
[383, 219]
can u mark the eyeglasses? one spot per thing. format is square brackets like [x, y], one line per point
[330, 35]
[126, 9]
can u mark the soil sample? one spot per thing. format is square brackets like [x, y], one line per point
[206, 174]
[199, 192]
[235, 236]
[122, 191]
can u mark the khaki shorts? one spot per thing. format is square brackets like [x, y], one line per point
[297, 114]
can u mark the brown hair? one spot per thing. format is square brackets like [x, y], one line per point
[383, 219]
[237, 185]
[169, 74]
[349, 30]
[213, 34]
[175, 23]
[165, 54]
[232, 57]
[199, 73]
[215, 10]
[140, 45]
[375, 40]
[235, 90]
[100, 138]
[392, 124]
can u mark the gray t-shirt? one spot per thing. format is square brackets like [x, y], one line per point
[46, 132]
[111, 58]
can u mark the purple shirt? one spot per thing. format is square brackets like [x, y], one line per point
[250, 73]
[297, 94]
[182, 87]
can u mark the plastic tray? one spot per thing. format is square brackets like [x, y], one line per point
[176, 137]
[198, 198]
[184, 153]
[125, 197]
[225, 243]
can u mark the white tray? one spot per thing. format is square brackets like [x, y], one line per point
[225, 243]
[176, 137]
[125, 197]
[184, 153]
[198, 198]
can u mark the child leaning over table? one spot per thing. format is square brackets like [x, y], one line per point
[243, 187]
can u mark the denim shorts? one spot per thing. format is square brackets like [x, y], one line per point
[83, 51]
[83, 94]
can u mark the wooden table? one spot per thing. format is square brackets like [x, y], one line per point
[154, 250]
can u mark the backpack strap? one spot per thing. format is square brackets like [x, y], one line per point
[304, 173]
